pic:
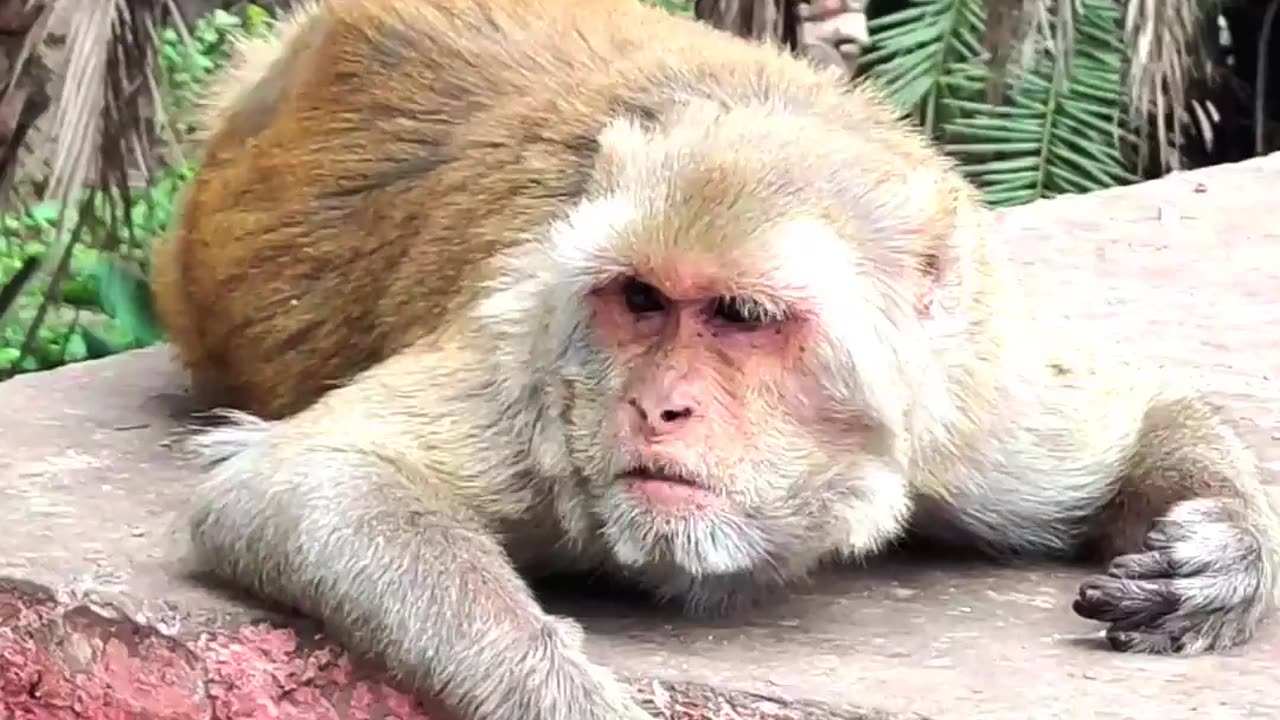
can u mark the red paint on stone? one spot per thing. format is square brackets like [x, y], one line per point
[259, 671]
[65, 663]
[70, 662]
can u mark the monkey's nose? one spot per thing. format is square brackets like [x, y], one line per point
[661, 417]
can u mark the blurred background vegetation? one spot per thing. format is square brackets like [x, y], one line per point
[1034, 98]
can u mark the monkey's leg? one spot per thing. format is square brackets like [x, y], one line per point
[1193, 538]
[354, 532]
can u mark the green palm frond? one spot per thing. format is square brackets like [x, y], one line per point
[1058, 126]
[131, 74]
[915, 48]
[1062, 131]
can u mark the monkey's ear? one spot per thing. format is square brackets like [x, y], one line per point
[930, 272]
[930, 197]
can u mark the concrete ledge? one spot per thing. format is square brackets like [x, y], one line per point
[97, 621]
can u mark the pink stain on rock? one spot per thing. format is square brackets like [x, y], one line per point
[67, 661]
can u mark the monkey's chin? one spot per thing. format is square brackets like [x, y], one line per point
[651, 524]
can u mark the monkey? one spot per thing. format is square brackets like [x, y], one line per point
[490, 289]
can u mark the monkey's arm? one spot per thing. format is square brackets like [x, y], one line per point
[1192, 535]
[344, 526]
[1155, 484]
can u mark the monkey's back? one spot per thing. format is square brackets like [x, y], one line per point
[359, 174]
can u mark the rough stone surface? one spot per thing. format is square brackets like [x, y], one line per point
[101, 622]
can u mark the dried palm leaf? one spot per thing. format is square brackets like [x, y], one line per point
[1166, 47]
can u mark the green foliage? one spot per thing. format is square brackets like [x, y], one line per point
[679, 7]
[915, 50]
[186, 68]
[1058, 128]
[101, 304]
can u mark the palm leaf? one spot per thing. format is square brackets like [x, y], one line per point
[1048, 124]
[915, 48]
[1061, 132]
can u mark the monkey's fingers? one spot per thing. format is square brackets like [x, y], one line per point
[1128, 604]
[1127, 640]
[1135, 603]
[1199, 586]
[1185, 632]
[1212, 611]
[1140, 566]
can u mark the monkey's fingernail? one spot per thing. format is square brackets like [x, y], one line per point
[1090, 593]
[1089, 606]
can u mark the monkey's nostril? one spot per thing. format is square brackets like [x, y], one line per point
[670, 416]
[659, 418]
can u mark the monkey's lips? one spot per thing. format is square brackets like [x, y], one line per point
[667, 492]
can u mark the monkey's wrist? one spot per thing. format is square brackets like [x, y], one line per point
[588, 691]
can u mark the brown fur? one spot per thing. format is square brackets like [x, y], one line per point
[437, 204]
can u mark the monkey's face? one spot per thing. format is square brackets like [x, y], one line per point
[745, 349]
[722, 424]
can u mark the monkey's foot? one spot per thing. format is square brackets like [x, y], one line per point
[1202, 584]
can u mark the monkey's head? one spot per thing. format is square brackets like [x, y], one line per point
[742, 339]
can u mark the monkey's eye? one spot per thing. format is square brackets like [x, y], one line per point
[740, 311]
[642, 297]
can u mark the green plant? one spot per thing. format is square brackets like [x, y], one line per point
[187, 61]
[95, 300]
[102, 306]
[679, 7]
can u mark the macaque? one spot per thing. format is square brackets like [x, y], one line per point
[488, 289]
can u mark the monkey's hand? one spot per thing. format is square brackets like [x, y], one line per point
[347, 527]
[1203, 581]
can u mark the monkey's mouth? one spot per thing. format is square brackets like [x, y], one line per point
[664, 490]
